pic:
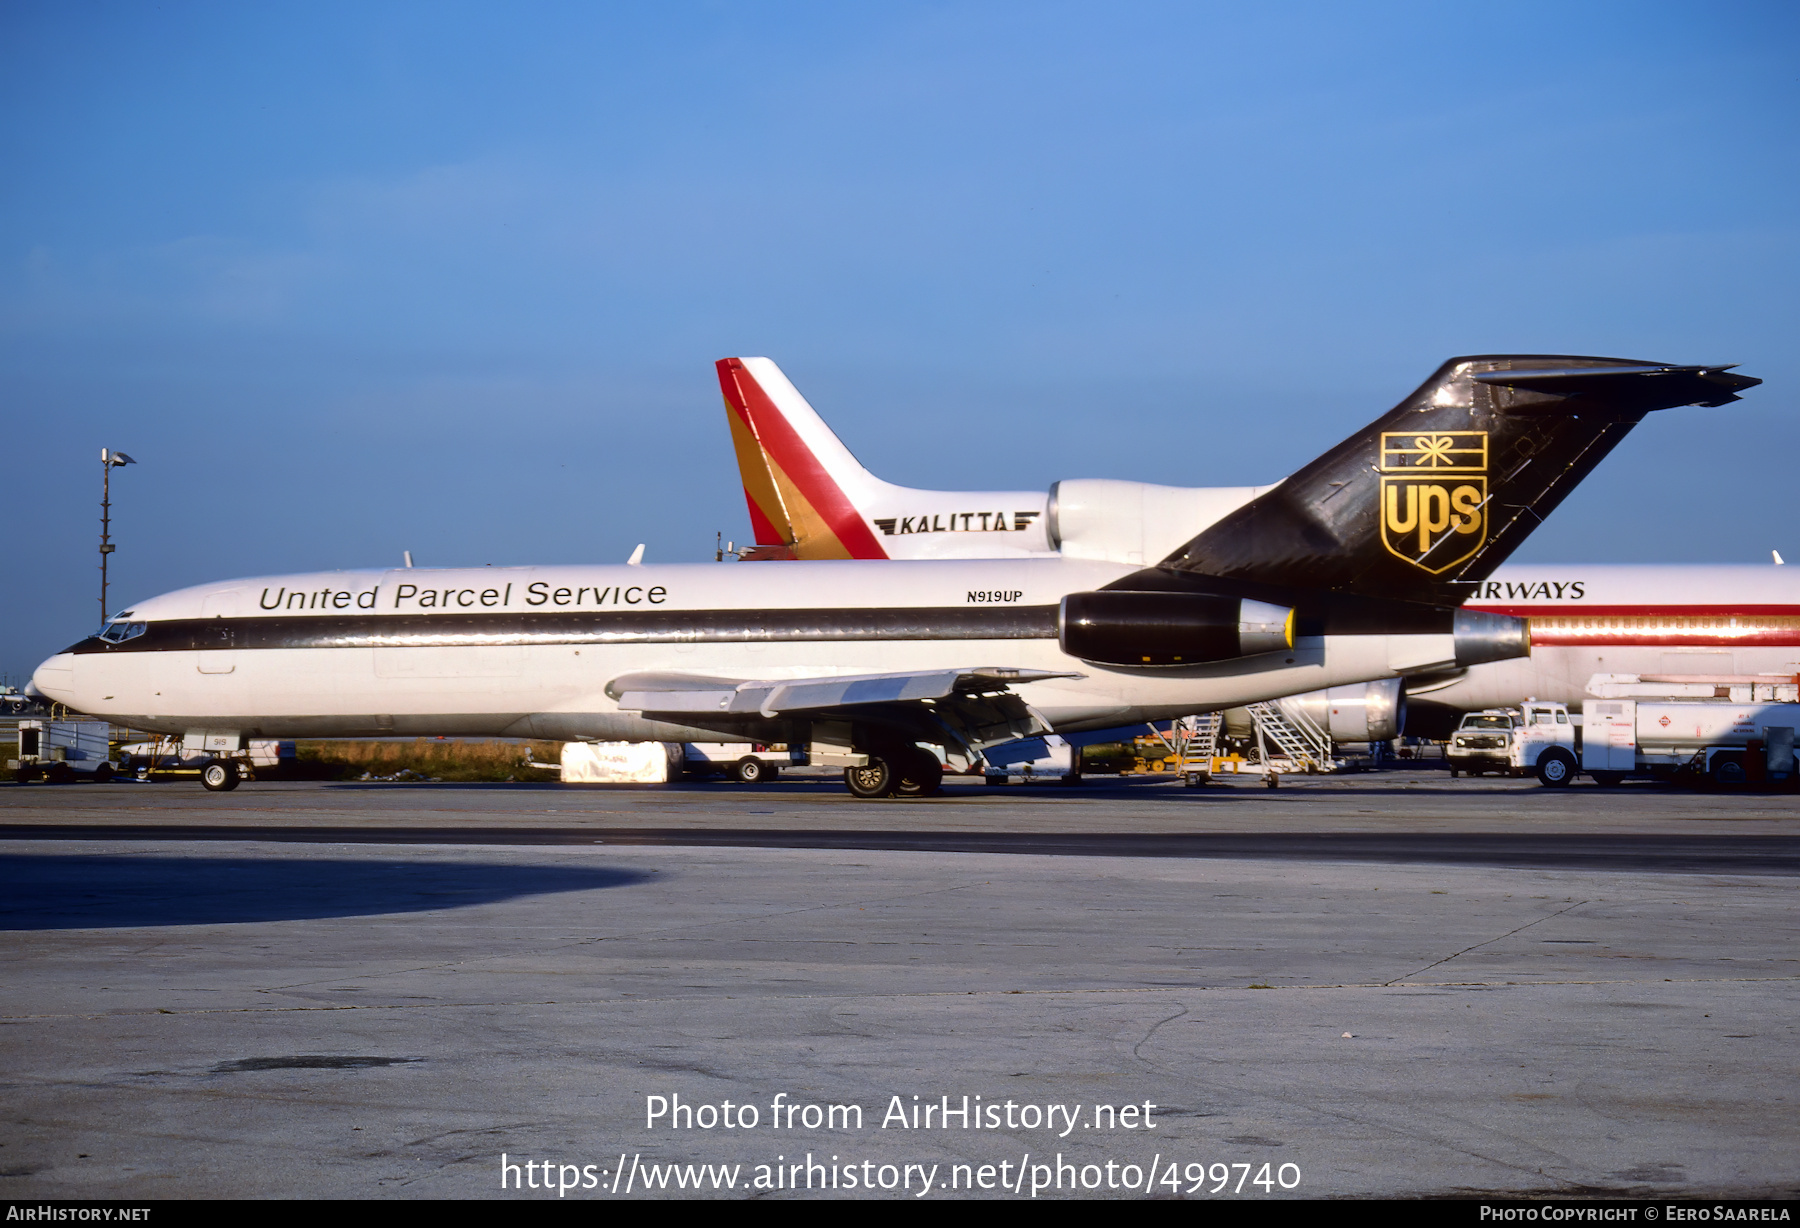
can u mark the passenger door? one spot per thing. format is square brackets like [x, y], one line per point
[217, 650]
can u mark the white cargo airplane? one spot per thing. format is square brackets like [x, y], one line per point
[1344, 572]
[1718, 622]
[810, 498]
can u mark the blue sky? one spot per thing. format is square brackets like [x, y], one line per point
[349, 279]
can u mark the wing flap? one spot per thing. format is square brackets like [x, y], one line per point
[790, 696]
[972, 707]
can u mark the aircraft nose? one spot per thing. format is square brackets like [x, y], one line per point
[55, 679]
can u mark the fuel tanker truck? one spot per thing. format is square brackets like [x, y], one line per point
[1726, 730]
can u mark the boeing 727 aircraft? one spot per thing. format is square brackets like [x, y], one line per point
[1345, 572]
[810, 498]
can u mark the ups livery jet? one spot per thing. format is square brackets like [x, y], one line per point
[1690, 620]
[1348, 571]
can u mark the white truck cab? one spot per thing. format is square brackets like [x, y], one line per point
[1536, 738]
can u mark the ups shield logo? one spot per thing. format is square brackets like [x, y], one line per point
[1434, 496]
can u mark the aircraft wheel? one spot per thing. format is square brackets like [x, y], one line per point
[751, 771]
[995, 779]
[1608, 780]
[874, 780]
[219, 776]
[922, 776]
[1555, 768]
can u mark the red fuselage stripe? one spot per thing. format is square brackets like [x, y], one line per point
[1670, 626]
[1545, 638]
[1638, 611]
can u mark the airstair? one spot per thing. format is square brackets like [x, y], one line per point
[1195, 741]
[1299, 745]
[1286, 741]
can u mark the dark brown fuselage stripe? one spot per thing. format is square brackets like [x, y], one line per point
[621, 627]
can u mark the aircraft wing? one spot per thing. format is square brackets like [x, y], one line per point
[958, 708]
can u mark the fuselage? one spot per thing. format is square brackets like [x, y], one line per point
[529, 651]
[1586, 619]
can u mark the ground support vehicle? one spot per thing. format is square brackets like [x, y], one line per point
[167, 756]
[63, 751]
[1483, 742]
[750, 763]
[1722, 730]
[1538, 739]
[219, 763]
[1045, 758]
[1280, 738]
[593, 763]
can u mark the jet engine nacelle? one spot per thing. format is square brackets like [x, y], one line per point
[1360, 712]
[1134, 522]
[1146, 628]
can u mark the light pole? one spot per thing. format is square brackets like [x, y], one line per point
[108, 461]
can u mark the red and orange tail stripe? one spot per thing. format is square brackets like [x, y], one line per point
[768, 518]
[793, 500]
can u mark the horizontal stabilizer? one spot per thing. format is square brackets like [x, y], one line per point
[1438, 491]
[1636, 389]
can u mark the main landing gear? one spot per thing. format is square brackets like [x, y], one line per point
[900, 771]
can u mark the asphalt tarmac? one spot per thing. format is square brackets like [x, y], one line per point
[1395, 984]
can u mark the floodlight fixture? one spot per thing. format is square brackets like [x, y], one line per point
[110, 459]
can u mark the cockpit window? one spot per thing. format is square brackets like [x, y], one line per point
[118, 631]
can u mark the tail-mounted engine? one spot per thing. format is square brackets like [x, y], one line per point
[1147, 628]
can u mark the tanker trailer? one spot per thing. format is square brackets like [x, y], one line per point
[1726, 730]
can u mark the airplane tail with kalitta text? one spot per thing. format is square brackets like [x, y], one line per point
[810, 498]
[1432, 496]
[795, 470]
